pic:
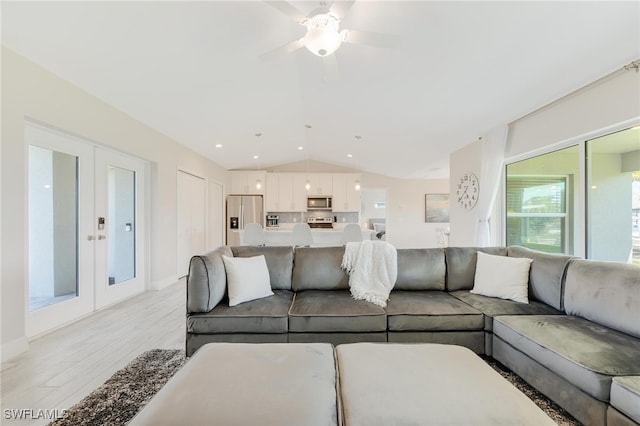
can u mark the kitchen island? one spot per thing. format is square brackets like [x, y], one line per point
[281, 236]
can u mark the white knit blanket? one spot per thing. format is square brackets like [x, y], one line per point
[373, 268]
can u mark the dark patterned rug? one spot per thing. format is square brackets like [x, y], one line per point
[128, 390]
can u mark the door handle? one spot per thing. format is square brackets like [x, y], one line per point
[102, 237]
[91, 237]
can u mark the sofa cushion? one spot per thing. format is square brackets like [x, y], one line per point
[582, 352]
[247, 279]
[430, 311]
[502, 277]
[546, 277]
[492, 307]
[207, 280]
[421, 269]
[625, 396]
[604, 292]
[268, 315]
[319, 268]
[461, 265]
[334, 311]
[279, 261]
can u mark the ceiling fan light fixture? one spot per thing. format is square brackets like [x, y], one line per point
[323, 36]
[322, 41]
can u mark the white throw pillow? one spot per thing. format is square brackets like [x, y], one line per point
[247, 278]
[503, 277]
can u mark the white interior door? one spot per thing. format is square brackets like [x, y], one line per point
[191, 217]
[60, 204]
[119, 223]
[79, 262]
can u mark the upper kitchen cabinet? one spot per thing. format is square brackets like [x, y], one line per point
[286, 192]
[320, 184]
[248, 182]
[272, 193]
[346, 192]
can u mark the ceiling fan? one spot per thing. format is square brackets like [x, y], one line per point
[323, 36]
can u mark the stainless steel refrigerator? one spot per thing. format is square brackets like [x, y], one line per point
[241, 211]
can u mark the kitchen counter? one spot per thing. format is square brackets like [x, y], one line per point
[281, 236]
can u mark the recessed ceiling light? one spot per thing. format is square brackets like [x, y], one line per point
[349, 155]
[300, 148]
[256, 157]
[218, 145]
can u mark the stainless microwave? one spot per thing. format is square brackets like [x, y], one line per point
[319, 203]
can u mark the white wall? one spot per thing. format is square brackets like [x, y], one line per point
[463, 222]
[604, 103]
[29, 91]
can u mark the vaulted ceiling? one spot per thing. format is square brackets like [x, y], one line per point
[192, 70]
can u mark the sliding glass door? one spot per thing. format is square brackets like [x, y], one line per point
[613, 197]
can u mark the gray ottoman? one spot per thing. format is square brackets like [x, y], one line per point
[427, 384]
[249, 384]
[625, 401]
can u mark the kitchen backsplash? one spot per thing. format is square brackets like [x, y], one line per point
[295, 217]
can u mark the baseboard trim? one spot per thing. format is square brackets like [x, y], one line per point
[165, 282]
[13, 348]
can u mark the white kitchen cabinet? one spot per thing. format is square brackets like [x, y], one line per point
[346, 198]
[247, 182]
[299, 192]
[272, 193]
[320, 184]
[286, 192]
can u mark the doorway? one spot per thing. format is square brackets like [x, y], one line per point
[374, 211]
[86, 227]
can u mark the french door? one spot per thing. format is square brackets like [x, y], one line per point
[86, 228]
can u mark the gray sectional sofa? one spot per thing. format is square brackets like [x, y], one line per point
[580, 330]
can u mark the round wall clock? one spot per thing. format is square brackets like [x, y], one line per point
[468, 191]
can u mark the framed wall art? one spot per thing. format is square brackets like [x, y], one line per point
[436, 208]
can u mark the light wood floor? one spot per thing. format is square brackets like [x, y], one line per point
[64, 366]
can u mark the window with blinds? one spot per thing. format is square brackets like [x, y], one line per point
[537, 212]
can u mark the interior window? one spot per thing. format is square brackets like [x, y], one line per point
[540, 194]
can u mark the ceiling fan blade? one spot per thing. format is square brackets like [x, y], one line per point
[288, 9]
[341, 8]
[282, 50]
[330, 68]
[371, 39]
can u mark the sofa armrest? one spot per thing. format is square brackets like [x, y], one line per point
[207, 280]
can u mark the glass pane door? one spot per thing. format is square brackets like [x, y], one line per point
[119, 209]
[60, 205]
[613, 197]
